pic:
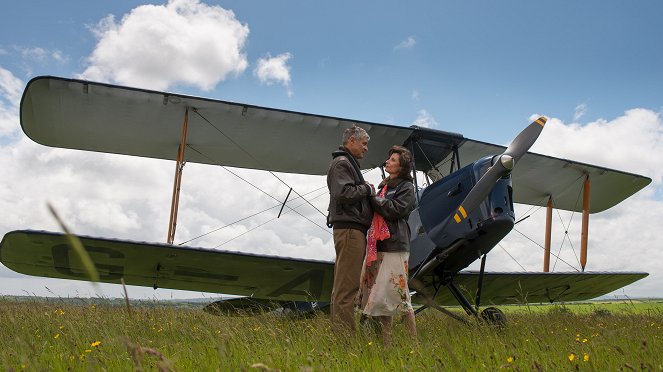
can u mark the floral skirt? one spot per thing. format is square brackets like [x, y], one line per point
[383, 289]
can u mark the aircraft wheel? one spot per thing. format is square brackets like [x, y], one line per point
[493, 316]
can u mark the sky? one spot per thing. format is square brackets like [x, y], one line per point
[482, 69]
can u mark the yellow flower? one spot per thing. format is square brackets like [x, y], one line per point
[572, 357]
[95, 344]
[55, 336]
[88, 350]
[370, 343]
[584, 340]
[585, 357]
[509, 359]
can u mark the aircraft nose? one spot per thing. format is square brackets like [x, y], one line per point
[507, 161]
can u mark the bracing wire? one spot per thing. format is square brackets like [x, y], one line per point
[252, 157]
[566, 228]
[264, 223]
[542, 247]
[257, 188]
[247, 217]
[507, 252]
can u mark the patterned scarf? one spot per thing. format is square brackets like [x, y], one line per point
[377, 231]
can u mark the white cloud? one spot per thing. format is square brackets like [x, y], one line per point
[41, 55]
[632, 142]
[272, 70]
[11, 87]
[406, 44]
[580, 111]
[158, 46]
[425, 119]
[10, 95]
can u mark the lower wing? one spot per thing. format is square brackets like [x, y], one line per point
[267, 277]
[166, 266]
[500, 288]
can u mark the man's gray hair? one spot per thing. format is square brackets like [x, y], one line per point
[358, 133]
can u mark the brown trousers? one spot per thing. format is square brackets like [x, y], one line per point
[350, 245]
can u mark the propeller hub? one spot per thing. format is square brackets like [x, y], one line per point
[507, 161]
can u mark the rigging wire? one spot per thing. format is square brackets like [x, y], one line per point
[266, 222]
[292, 209]
[507, 252]
[566, 228]
[263, 211]
[542, 247]
[259, 189]
[228, 225]
[247, 217]
[256, 160]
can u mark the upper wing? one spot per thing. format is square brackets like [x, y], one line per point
[167, 266]
[83, 115]
[528, 287]
[92, 116]
[536, 177]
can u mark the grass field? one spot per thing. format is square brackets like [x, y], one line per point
[39, 334]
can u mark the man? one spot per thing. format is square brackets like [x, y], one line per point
[350, 215]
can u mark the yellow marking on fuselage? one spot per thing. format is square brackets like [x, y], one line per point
[462, 211]
[541, 121]
[457, 218]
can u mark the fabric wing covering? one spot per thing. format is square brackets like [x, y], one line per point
[266, 277]
[92, 116]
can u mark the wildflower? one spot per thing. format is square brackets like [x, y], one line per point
[585, 357]
[95, 344]
[55, 336]
[584, 340]
[411, 351]
[572, 357]
[61, 327]
[509, 359]
[370, 343]
[88, 350]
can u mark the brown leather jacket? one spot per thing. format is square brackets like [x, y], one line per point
[395, 207]
[349, 205]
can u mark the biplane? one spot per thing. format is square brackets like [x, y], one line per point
[464, 211]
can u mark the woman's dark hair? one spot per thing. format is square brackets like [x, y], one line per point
[405, 161]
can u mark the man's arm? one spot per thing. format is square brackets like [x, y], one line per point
[342, 185]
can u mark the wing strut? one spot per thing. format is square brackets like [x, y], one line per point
[585, 223]
[179, 166]
[546, 254]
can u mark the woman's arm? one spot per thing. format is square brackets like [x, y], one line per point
[398, 207]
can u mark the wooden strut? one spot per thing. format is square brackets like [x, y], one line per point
[585, 223]
[546, 254]
[179, 166]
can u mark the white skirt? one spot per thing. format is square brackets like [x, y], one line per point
[383, 287]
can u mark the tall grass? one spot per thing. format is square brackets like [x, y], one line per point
[98, 335]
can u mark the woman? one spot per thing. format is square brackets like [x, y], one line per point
[384, 291]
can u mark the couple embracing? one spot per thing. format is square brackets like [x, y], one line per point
[371, 237]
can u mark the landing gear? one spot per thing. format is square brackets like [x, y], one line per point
[494, 317]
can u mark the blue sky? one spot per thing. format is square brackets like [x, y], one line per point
[481, 69]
